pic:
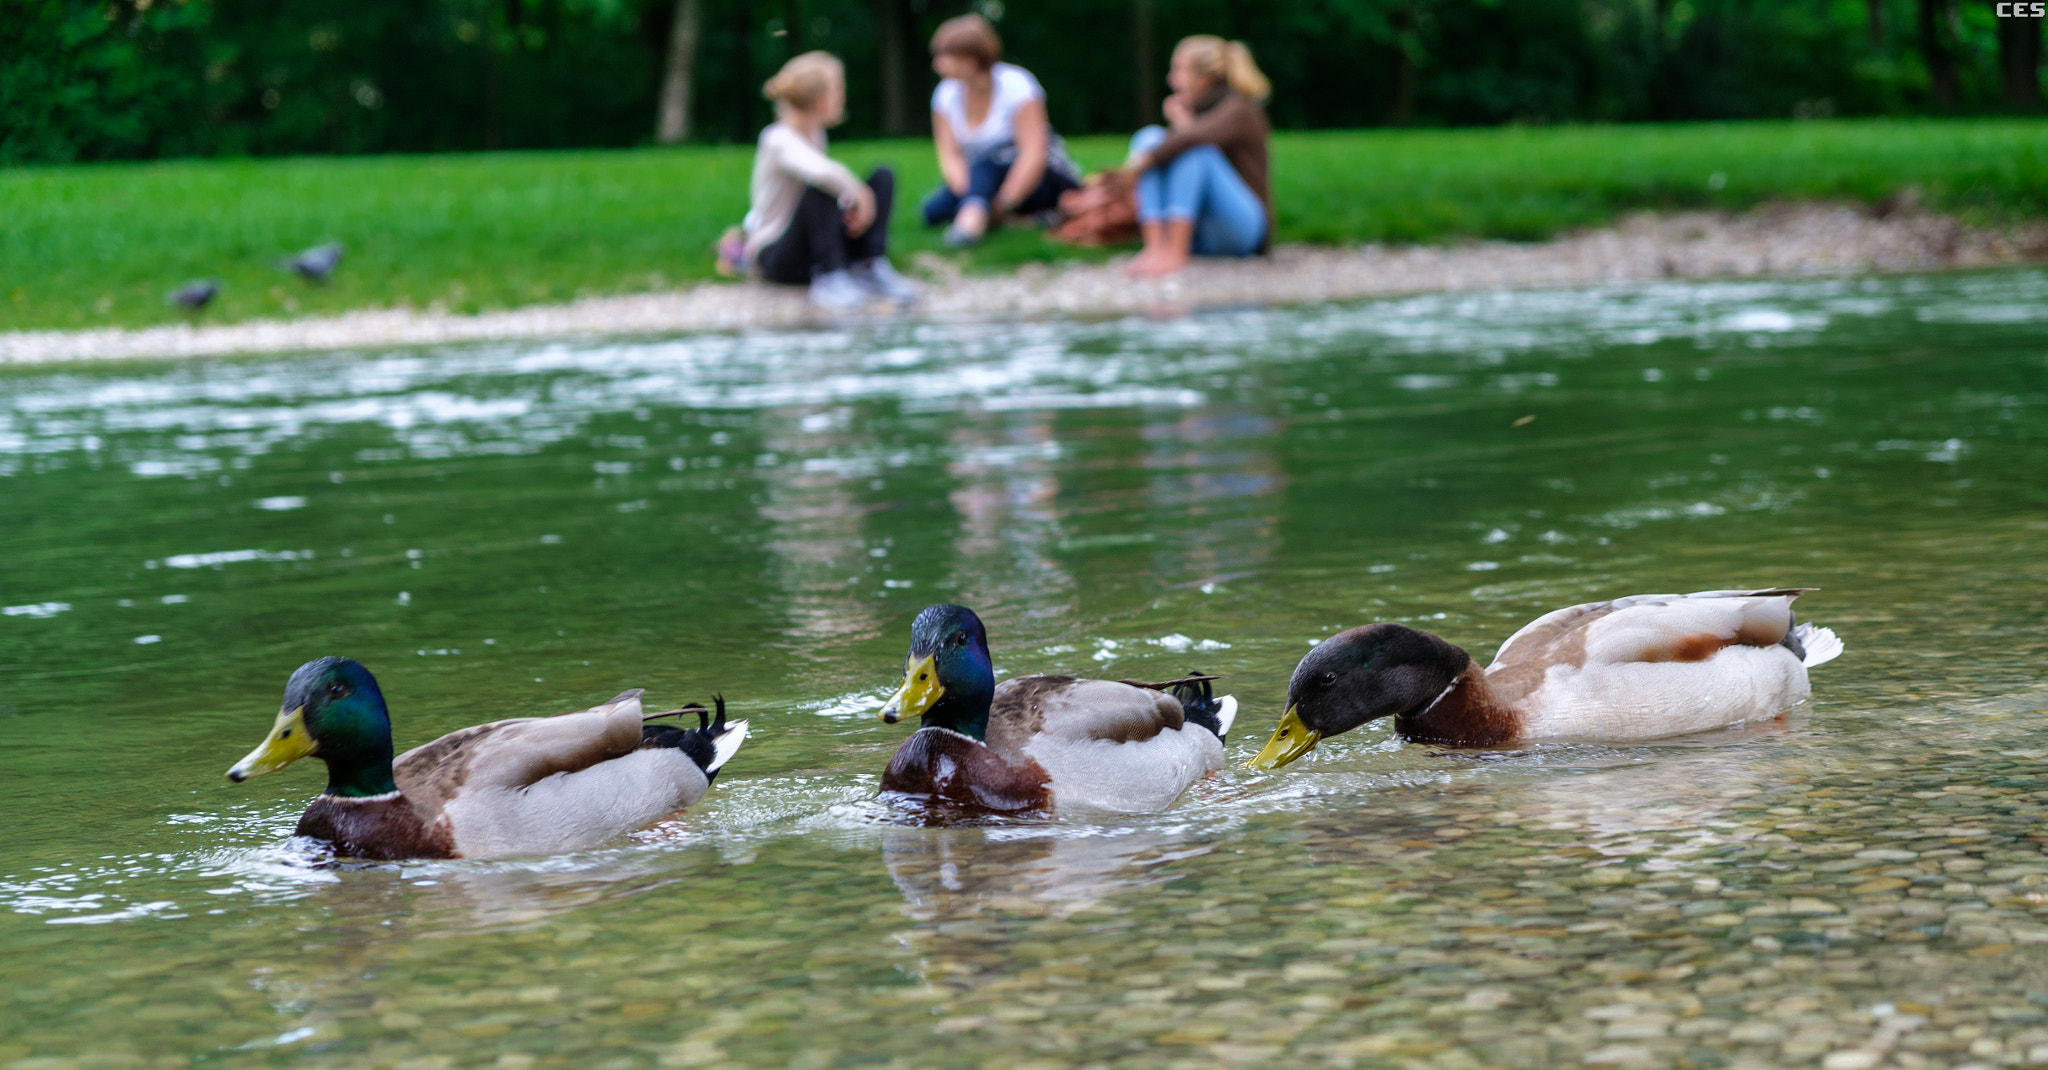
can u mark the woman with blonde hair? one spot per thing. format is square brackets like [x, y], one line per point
[811, 221]
[1202, 185]
[997, 150]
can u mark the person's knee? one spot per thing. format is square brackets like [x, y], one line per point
[940, 207]
[1146, 139]
[817, 204]
[984, 179]
[882, 180]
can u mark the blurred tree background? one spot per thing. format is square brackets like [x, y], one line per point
[127, 79]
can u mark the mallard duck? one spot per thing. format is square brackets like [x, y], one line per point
[1642, 667]
[1038, 743]
[529, 785]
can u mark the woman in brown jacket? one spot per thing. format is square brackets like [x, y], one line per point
[1202, 184]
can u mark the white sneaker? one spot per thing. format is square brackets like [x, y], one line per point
[881, 278]
[837, 291]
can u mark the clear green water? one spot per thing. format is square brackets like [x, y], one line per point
[501, 532]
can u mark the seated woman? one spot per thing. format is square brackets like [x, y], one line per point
[1202, 184]
[997, 150]
[811, 222]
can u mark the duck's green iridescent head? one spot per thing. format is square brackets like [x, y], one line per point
[333, 711]
[948, 678]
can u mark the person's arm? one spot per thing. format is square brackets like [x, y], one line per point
[802, 160]
[952, 162]
[1233, 120]
[1034, 144]
[799, 158]
[1177, 110]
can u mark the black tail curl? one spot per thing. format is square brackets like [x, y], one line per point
[697, 742]
[1198, 701]
[1791, 641]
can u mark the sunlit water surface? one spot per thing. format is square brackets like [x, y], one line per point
[516, 531]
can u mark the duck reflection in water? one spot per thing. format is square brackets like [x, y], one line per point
[953, 873]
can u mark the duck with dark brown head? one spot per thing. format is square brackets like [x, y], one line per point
[1642, 667]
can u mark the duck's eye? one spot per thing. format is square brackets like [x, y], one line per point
[960, 640]
[336, 690]
[1329, 678]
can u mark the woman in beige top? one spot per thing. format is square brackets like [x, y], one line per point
[812, 222]
[1202, 184]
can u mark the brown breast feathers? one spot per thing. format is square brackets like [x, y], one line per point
[1466, 715]
[947, 765]
[384, 828]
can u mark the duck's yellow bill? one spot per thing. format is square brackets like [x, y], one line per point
[921, 691]
[1290, 741]
[288, 743]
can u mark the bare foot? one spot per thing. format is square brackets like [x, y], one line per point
[1153, 263]
[972, 222]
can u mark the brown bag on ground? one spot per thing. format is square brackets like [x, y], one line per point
[1104, 211]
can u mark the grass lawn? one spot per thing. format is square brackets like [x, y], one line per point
[100, 245]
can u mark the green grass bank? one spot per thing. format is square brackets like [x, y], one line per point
[100, 245]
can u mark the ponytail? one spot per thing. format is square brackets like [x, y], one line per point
[1243, 74]
[1229, 62]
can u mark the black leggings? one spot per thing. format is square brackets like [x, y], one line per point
[817, 243]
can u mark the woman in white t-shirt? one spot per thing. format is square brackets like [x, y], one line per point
[997, 149]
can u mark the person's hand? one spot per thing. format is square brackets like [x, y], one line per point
[1177, 110]
[860, 215]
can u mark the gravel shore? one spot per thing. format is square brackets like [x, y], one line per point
[1808, 239]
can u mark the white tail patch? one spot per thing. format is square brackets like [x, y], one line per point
[1226, 713]
[727, 745]
[1822, 645]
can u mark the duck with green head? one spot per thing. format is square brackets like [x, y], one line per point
[529, 785]
[1040, 743]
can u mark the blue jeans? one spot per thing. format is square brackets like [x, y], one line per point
[1200, 185]
[984, 178]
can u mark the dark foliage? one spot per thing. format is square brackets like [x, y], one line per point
[110, 79]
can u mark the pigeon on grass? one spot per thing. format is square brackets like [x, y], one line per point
[193, 296]
[316, 264]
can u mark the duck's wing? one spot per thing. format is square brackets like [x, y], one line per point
[1075, 710]
[518, 751]
[1555, 638]
[1692, 627]
[1641, 628]
[1653, 665]
[1106, 744]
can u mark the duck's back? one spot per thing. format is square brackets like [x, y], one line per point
[544, 785]
[1649, 666]
[1105, 745]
